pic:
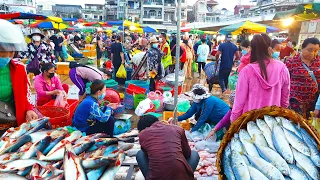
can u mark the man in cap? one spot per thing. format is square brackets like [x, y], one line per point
[226, 52]
[154, 56]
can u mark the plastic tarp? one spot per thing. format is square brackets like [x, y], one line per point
[251, 27]
[115, 23]
[148, 29]
[301, 12]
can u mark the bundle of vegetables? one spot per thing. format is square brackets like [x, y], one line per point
[270, 143]
[34, 151]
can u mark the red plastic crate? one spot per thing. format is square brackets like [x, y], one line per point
[72, 104]
[59, 116]
[133, 89]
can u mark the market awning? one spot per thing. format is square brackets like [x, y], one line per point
[301, 13]
[148, 29]
[20, 15]
[248, 26]
[49, 25]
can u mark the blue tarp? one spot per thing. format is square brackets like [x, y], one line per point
[148, 29]
[115, 23]
[70, 19]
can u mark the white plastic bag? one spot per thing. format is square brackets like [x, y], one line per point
[60, 101]
[143, 107]
[210, 145]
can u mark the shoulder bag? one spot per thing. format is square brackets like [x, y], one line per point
[7, 116]
[311, 73]
[34, 64]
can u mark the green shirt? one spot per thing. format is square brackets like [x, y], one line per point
[6, 94]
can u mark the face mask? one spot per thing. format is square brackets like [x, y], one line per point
[196, 101]
[276, 55]
[36, 38]
[50, 75]
[4, 61]
[155, 45]
[244, 52]
[101, 97]
[160, 40]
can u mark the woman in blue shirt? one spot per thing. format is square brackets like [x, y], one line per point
[89, 117]
[206, 107]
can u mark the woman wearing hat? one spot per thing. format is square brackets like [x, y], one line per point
[205, 107]
[154, 56]
[39, 52]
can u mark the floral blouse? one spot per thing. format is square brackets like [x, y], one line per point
[153, 59]
[44, 54]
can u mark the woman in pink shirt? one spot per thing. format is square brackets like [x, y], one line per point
[263, 82]
[47, 85]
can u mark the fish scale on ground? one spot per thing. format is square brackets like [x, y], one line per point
[18, 155]
[286, 151]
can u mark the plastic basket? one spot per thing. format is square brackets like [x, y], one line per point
[120, 110]
[59, 116]
[134, 89]
[168, 114]
[72, 104]
[142, 84]
[210, 70]
[137, 98]
[128, 101]
[112, 96]
[129, 73]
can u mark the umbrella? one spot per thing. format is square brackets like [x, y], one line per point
[148, 29]
[249, 26]
[115, 23]
[301, 13]
[196, 31]
[13, 21]
[186, 29]
[128, 23]
[49, 25]
[20, 15]
[210, 32]
[95, 24]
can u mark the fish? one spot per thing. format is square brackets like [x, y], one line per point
[256, 134]
[45, 172]
[314, 153]
[35, 171]
[53, 143]
[95, 174]
[4, 143]
[239, 166]
[39, 146]
[17, 144]
[8, 132]
[21, 164]
[110, 172]
[246, 142]
[103, 142]
[37, 125]
[83, 146]
[132, 152]
[236, 145]
[71, 138]
[93, 163]
[25, 147]
[256, 174]
[270, 171]
[125, 146]
[132, 133]
[305, 134]
[296, 173]
[8, 157]
[289, 126]
[24, 171]
[10, 176]
[114, 154]
[274, 158]
[110, 149]
[271, 121]
[226, 162]
[72, 165]
[19, 131]
[306, 163]
[92, 137]
[97, 153]
[127, 140]
[266, 131]
[296, 142]
[281, 144]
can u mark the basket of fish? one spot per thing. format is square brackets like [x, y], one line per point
[270, 143]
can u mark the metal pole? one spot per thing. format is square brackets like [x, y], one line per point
[177, 62]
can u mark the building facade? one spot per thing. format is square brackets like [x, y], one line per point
[93, 12]
[26, 6]
[45, 7]
[67, 11]
[206, 11]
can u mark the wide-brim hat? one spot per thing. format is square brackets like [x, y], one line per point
[36, 32]
[205, 95]
[153, 39]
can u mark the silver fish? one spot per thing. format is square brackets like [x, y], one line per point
[227, 163]
[266, 168]
[21, 130]
[125, 146]
[266, 131]
[281, 144]
[53, 143]
[17, 144]
[72, 165]
[239, 166]
[40, 124]
[296, 173]
[93, 163]
[24, 171]
[11, 176]
[271, 121]
[95, 174]
[296, 142]
[307, 135]
[38, 146]
[255, 174]
[8, 157]
[314, 153]
[111, 172]
[289, 126]
[238, 147]
[35, 171]
[21, 164]
[246, 142]
[8, 132]
[92, 137]
[256, 134]
[274, 158]
[306, 163]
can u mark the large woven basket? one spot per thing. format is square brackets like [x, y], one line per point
[242, 121]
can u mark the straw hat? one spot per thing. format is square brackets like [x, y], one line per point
[153, 39]
[198, 87]
[36, 32]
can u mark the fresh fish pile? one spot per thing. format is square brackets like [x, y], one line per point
[35, 151]
[272, 148]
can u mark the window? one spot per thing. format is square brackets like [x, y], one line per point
[86, 16]
[159, 14]
[153, 13]
[271, 11]
[95, 17]
[145, 13]
[100, 18]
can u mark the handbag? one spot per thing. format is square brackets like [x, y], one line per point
[315, 80]
[34, 65]
[7, 115]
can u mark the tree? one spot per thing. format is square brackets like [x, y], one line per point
[191, 16]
